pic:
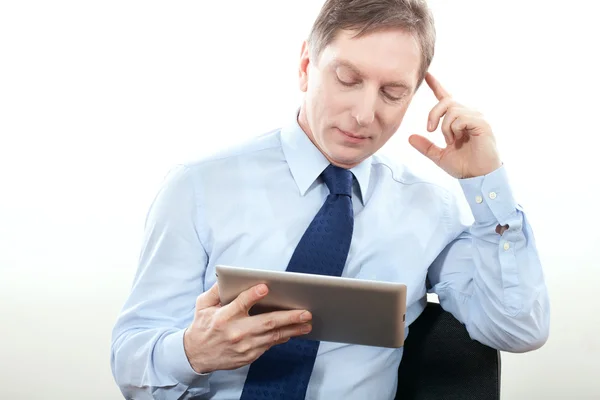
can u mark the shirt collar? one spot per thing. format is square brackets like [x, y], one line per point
[306, 161]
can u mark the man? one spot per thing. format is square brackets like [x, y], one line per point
[251, 206]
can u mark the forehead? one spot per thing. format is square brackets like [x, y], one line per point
[387, 55]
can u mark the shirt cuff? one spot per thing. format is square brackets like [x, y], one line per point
[490, 197]
[178, 366]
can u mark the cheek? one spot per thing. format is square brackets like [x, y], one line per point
[391, 120]
[334, 100]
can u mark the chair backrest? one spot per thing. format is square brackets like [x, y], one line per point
[441, 361]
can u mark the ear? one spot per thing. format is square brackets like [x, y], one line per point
[303, 68]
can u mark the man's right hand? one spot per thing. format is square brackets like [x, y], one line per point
[227, 337]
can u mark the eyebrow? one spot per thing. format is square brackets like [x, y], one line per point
[354, 69]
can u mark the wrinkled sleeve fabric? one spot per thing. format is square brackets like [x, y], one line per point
[147, 355]
[493, 283]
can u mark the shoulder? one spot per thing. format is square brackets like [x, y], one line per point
[402, 175]
[221, 172]
[255, 147]
[434, 190]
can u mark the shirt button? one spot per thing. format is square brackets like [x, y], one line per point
[506, 246]
[478, 199]
[492, 195]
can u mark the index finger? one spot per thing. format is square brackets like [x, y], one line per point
[436, 86]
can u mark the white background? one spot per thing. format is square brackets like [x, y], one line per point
[99, 99]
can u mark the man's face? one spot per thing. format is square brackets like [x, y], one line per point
[357, 92]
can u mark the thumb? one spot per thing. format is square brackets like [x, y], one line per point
[210, 298]
[426, 147]
[245, 300]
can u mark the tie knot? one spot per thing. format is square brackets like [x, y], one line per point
[338, 180]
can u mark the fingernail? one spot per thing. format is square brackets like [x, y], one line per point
[306, 328]
[429, 125]
[305, 316]
[261, 289]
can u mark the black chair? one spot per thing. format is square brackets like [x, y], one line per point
[441, 361]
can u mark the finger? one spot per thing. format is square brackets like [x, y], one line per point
[458, 126]
[466, 125]
[439, 92]
[245, 300]
[282, 335]
[451, 115]
[210, 298]
[426, 147]
[277, 319]
[437, 113]
[461, 127]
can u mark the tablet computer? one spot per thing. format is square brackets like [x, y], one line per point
[345, 310]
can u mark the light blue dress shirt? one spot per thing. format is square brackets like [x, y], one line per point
[249, 206]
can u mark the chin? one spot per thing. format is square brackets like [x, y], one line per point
[347, 158]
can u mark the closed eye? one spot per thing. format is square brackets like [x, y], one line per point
[387, 95]
[392, 98]
[346, 83]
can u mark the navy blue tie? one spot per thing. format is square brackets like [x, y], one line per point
[284, 370]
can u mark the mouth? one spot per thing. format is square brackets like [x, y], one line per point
[352, 137]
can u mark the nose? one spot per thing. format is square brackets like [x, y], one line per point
[364, 111]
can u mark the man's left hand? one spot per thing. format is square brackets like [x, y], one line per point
[470, 144]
